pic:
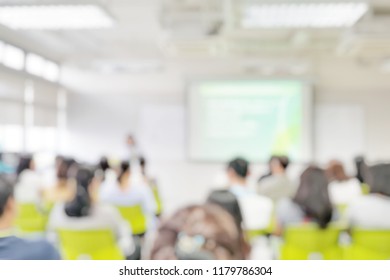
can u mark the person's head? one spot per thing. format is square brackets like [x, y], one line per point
[278, 164]
[335, 172]
[25, 162]
[313, 197]
[104, 164]
[130, 140]
[200, 233]
[64, 167]
[7, 204]
[124, 173]
[378, 178]
[87, 187]
[238, 170]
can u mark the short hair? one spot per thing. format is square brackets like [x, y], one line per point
[6, 191]
[240, 166]
[24, 163]
[283, 160]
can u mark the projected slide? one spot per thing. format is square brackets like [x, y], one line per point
[253, 119]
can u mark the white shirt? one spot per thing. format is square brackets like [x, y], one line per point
[28, 187]
[344, 193]
[136, 194]
[370, 211]
[256, 210]
[101, 216]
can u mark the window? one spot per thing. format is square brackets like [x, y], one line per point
[35, 64]
[13, 57]
[51, 71]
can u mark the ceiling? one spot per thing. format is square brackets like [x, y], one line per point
[149, 34]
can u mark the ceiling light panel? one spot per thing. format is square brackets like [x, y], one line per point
[55, 17]
[303, 15]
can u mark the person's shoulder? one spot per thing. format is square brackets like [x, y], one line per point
[36, 249]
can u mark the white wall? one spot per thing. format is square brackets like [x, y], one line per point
[98, 121]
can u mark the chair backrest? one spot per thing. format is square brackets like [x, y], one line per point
[89, 244]
[369, 245]
[311, 242]
[136, 218]
[30, 219]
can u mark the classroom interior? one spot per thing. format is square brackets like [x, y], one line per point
[203, 92]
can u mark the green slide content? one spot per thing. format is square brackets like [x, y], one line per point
[253, 119]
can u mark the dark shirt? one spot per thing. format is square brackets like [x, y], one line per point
[14, 248]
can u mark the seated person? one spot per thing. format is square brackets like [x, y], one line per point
[125, 192]
[12, 247]
[200, 233]
[64, 189]
[256, 210]
[276, 185]
[371, 211]
[152, 183]
[85, 212]
[109, 177]
[311, 203]
[343, 189]
[29, 186]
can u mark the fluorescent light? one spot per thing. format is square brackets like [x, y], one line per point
[51, 71]
[35, 64]
[300, 15]
[54, 17]
[13, 57]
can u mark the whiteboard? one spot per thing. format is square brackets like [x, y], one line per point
[162, 131]
[339, 132]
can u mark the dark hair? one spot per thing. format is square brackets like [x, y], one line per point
[125, 167]
[378, 178]
[24, 164]
[336, 172]
[313, 196]
[104, 164]
[284, 161]
[6, 191]
[80, 205]
[361, 167]
[63, 168]
[240, 167]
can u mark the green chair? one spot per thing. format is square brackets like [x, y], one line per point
[31, 219]
[89, 244]
[306, 242]
[135, 217]
[369, 245]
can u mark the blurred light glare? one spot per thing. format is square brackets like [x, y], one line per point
[54, 17]
[51, 71]
[13, 57]
[35, 64]
[299, 15]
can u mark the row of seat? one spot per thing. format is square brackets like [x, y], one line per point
[310, 242]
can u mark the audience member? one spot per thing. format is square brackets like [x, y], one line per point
[371, 211]
[127, 193]
[311, 203]
[29, 186]
[12, 247]
[85, 212]
[277, 184]
[256, 210]
[200, 233]
[343, 189]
